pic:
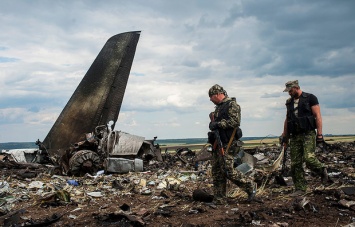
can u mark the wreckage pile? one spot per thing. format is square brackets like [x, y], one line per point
[176, 191]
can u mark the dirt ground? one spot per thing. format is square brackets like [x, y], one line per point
[163, 195]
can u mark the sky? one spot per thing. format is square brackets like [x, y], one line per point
[251, 48]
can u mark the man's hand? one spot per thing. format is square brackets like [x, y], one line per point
[283, 140]
[211, 137]
[214, 125]
[319, 139]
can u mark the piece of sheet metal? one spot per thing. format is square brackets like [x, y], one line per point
[122, 165]
[22, 155]
[276, 164]
[244, 168]
[121, 143]
[97, 99]
[248, 158]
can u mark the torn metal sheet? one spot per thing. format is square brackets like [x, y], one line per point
[245, 168]
[22, 155]
[249, 159]
[122, 165]
[276, 164]
[121, 143]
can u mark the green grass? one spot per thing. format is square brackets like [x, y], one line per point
[260, 142]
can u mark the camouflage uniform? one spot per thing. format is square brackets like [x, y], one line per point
[302, 150]
[301, 130]
[222, 167]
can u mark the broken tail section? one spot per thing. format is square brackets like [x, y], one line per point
[97, 99]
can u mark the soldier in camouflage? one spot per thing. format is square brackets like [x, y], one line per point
[225, 119]
[303, 118]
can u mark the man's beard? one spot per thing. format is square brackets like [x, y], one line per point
[295, 95]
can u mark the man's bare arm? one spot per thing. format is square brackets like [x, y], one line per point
[316, 113]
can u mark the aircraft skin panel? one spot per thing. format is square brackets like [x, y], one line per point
[113, 104]
[97, 99]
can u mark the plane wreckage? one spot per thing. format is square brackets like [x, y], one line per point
[83, 140]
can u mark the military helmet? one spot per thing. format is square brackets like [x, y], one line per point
[216, 89]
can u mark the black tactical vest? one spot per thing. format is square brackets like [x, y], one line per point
[305, 121]
[225, 134]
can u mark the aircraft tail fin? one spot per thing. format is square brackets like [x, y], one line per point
[97, 99]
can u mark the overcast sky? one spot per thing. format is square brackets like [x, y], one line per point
[251, 48]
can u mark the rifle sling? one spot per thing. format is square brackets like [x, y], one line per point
[231, 139]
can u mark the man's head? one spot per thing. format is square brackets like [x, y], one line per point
[293, 88]
[217, 93]
[216, 89]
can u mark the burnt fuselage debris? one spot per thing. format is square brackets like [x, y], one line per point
[104, 149]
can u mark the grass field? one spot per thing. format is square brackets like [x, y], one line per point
[258, 142]
[272, 141]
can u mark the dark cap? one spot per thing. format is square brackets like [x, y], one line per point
[216, 89]
[291, 84]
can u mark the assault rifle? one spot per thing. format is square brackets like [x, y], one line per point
[218, 142]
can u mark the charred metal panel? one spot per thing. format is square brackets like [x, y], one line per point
[121, 143]
[97, 99]
[22, 155]
[122, 165]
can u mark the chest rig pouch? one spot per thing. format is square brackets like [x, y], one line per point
[305, 120]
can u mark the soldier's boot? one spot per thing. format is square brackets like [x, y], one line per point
[324, 176]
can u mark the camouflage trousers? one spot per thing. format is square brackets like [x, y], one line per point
[302, 151]
[222, 169]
